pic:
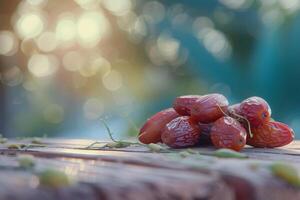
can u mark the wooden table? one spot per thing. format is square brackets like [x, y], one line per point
[136, 173]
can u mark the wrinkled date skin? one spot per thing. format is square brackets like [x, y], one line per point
[209, 108]
[181, 132]
[151, 130]
[183, 104]
[256, 110]
[227, 132]
[271, 134]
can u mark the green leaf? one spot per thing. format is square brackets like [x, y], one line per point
[26, 161]
[54, 178]
[228, 153]
[14, 146]
[191, 151]
[118, 144]
[36, 141]
[184, 154]
[286, 172]
[155, 147]
[36, 145]
[3, 140]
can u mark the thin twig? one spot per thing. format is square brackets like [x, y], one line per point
[130, 121]
[113, 139]
[110, 134]
[239, 116]
[108, 130]
[248, 123]
[222, 110]
[93, 144]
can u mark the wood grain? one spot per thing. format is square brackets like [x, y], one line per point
[136, 173]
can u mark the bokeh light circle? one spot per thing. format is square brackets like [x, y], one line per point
[41, 65]
[30, 25]
[8, 43]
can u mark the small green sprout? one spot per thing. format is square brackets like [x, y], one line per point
[54, 178]
[115, 143]
[26, 161]
[228, 153]
[155, 147]
[3, 140]
[191, 151]
[118, 144]
[36, 141]
[286, 172]
[184, 154]
[14, 146]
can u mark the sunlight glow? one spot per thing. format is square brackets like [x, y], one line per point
[112, 80]
[8, 43]
[217, 44]
[290, 5]
[101, 64]
[118, 7]
[201, 25]
[29, 25]
[88, 4]
[168, 47]
[94, 66]
[47, 41]
[28, 47]
[42, 65]
[37, 2]
[73, 61]
[91, 28]
[236, 4]
[66, 30]
[213, 40]
[154, 11]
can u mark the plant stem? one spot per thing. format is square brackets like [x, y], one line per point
[239, 117]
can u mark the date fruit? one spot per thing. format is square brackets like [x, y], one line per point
[234, 109]
[151, 130]
[209, 108]
[227, 132]
[181, 132]
[271, 134]
[256, 110]
[183, 104]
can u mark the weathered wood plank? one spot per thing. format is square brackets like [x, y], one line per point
[76, 148]
[136, 173]
[113, 181]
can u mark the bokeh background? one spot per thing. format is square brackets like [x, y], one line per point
[66, 64]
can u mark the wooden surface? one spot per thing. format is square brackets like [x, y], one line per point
[136, 173]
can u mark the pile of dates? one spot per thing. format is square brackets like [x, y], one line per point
[198, 120]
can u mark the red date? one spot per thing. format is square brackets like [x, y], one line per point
[227, 132]
[183, 104]
[271, 134]
[256, 110]
[234, 109]
[151, 130]
[209, 108]
[208, 120]
[181, 132]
